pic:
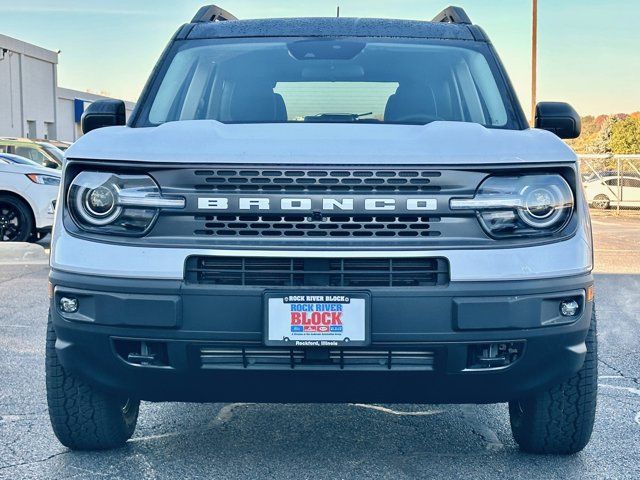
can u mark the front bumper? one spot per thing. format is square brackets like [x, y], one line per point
[185, 326]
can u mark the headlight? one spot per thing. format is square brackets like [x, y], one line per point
[44, 179]
[104, 202]
[527, 205]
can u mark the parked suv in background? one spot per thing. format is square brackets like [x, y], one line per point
[27, 199]
[41, 154]
[324, 210]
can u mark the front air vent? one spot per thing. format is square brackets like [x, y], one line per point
[365, 359]
[317, 272]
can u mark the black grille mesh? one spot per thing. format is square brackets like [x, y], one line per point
[321, 272]
[303, 226]
[318, 181]
[233, 357]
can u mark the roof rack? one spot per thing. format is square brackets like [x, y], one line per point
[453, 15]
[212, 13]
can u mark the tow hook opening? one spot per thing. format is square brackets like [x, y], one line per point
[486, 356]
[142, 352]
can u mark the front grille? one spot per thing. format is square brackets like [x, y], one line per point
[360, 180]
[258, 226]
[307, 226]
[317, 272]
[227, 358]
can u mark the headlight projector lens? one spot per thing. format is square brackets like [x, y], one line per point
[539, 203]
[96, 204]
[100, 202]
[543, 206]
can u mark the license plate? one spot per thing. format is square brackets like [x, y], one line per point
[317, 320]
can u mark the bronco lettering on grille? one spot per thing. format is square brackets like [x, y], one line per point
[315, 204]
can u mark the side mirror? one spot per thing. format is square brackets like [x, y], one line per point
[103, 113]
[51, 164]
[559, 118]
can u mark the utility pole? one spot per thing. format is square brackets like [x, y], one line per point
[534, 61]
[338, 12]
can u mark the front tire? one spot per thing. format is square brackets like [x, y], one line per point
[82, 417]
[560, 420]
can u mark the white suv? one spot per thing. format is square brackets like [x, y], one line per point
[28, 195]
[324, 210]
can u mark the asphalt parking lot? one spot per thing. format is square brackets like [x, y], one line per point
[326, 441]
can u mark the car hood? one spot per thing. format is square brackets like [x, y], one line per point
[209, 141]
[19, 168]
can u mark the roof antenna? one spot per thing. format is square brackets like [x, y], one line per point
[338, 12]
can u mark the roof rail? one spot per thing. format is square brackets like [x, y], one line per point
[453, 15]
[212, 13]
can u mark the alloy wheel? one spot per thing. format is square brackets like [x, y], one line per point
[11, 223]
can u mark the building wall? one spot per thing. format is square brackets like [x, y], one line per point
[68, 130]
[68, 127]
[31, 103]
[28, 77]
[38, 80]
[10, 119]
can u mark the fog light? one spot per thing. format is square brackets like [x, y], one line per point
[569, 308]
[69, 305]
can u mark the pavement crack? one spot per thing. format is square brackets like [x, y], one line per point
[619, 372]
[25, 274]
[486, 435]
[42, 460]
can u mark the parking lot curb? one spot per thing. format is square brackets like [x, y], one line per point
[12, 253]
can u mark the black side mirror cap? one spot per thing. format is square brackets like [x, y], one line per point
[559, 118]
[103, 113]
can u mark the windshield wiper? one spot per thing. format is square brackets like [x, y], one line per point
[336, 117]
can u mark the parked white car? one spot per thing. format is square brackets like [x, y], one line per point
[611, 190]
[27, 200]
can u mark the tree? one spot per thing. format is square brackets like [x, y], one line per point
[602, 142]
[625, 136]
[590, 128]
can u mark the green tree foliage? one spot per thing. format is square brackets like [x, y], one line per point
[590, 128]
[601, 143]
[625, 136]
[606, 134]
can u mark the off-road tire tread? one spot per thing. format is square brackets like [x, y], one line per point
[82, 417]
[560, 420]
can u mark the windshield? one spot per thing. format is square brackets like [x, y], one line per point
[328, 80]
[54, 151]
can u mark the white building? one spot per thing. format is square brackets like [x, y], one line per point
[31, 103]
[71, 105]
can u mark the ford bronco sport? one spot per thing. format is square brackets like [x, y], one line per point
[323, 210]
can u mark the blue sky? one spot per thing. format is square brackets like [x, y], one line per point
[589, 49]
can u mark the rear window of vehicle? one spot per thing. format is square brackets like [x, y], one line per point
[329, 80]
[308, 99]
